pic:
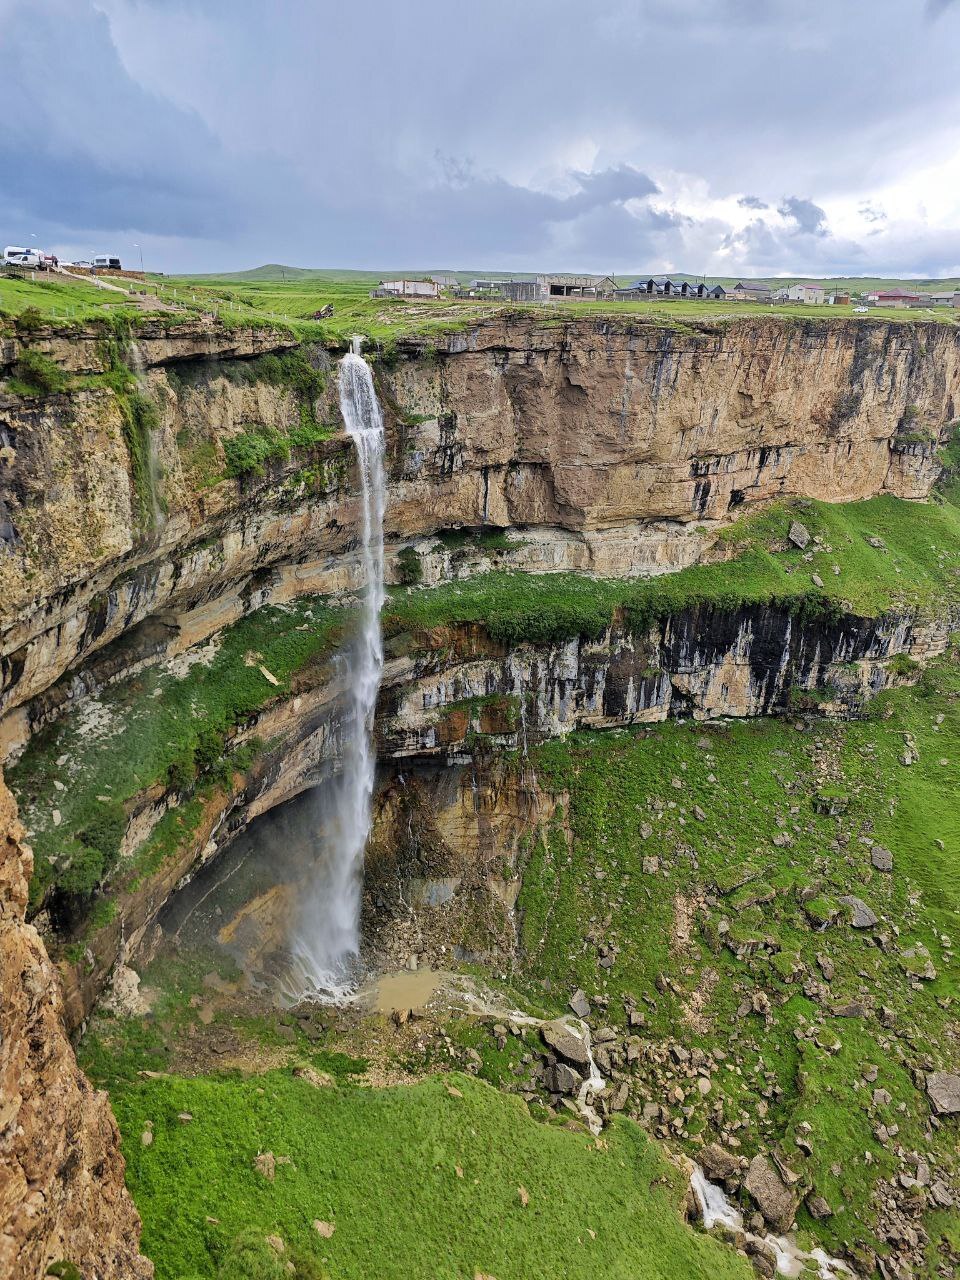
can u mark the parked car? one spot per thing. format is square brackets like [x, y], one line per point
[19, 257]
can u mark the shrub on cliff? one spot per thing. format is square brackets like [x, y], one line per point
[37, 375]
[93, 856]
[409, 567]
[247, 452]
[29, 320]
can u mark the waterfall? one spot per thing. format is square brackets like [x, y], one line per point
[327, 939]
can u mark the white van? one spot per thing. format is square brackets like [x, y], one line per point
[105, 262]
[18, 257]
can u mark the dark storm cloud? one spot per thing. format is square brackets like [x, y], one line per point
[94, 149]
[612, 186]
[809, 218]
[501, 134]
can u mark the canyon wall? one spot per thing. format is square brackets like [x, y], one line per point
[450, 692]
[62, 1195]
[618, 449]
[614, 448]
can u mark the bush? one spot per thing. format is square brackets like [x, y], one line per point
[96, 851]
[901, 664]
[35, 374]
[247, 452]
[182, 771]
[209, 748]
[29, 320]
[309, 431]
[409, 567]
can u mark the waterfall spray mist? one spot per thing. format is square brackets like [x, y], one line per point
[327, 940]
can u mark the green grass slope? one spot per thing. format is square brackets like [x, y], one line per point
[164, 725]
[917, 566]
[743, 899]
[419, 1182]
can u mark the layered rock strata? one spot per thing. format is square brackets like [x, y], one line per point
[615, 448]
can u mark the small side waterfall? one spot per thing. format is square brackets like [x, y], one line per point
[327, 940]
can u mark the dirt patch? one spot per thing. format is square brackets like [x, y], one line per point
[693, 1007]
[684, 916]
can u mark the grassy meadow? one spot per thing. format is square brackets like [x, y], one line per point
[287, 297]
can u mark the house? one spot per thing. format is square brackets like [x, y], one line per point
[750, 291]
[945, 298]
[572, 286]
[445, 280]
[813, 293]
[901, 299]
[717, 292]
[406, 289]
[662, 287]
[838, 299]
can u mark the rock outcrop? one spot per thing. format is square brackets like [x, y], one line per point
[62, 1195]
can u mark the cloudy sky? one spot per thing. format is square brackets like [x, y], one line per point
[716, 136]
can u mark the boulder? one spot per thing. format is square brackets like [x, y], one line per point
[580, 1004]
[943, 1090]
[861, 917]
[773, 1198]
[565, 1043]
[818, 1206]
[799, 535]
[717, 1164]
[563, 1079]
[881, 858]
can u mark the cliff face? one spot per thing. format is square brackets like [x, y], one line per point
[617, 449]
[62, 1195]
[452, 691]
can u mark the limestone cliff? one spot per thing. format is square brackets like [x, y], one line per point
[62, 1195]
[618, 448]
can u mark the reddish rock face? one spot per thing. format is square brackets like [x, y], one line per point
[62, 1194]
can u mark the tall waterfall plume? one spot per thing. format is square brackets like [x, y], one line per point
[327, 939]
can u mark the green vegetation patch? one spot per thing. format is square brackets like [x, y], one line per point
[167, 724]
[428, 1180]
[37, 375]
[890, 553]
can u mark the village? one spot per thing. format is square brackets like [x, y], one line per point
[585, 288]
